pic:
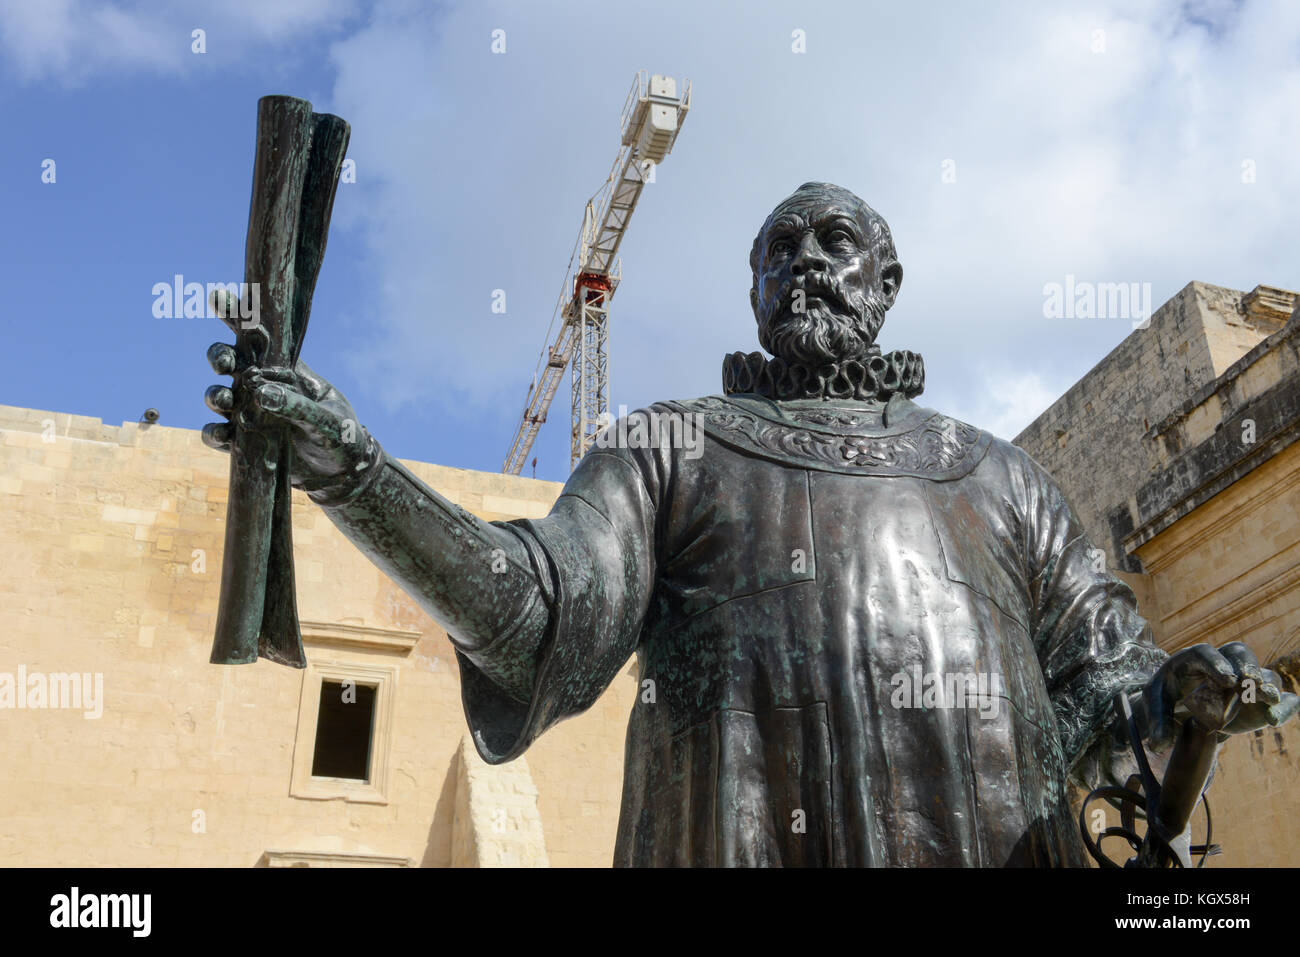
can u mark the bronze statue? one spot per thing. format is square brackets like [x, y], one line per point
[295, 175]
[868, 634]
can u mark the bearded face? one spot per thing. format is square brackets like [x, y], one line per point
[819, 321]
[823, 278]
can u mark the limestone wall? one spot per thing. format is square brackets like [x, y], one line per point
[110, 563]
[1091, 438]
[1230, 571]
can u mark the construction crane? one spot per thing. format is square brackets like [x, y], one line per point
[652, 118]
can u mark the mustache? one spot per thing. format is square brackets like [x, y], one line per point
[814, 337]
[822, 287]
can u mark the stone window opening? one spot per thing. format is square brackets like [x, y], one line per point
[345, 725]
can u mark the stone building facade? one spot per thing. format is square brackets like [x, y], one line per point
[110, 566]
[1179, 452]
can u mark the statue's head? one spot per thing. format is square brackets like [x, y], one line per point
[825, 272]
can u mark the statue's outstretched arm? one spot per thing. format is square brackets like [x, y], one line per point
[542, 613]
[476, 579]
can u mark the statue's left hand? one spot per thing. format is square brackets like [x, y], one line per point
[1225, 688]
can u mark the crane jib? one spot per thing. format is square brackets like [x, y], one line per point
[652, 117]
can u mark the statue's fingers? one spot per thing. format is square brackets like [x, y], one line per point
[1260, 715]
[217, 435]
[1183, 674]
[222, 358]
[313, 385]
[1160, 711]
[220, 399]
[1202, 663]
[1286, 709]
[1240, 652]
[1240, 655]
[1243, 661]
[225, 305]
[1271, 690]
[297, 410]
[274, 374]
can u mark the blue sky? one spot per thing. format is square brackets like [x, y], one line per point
[1103, 141]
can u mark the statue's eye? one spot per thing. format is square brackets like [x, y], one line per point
[839, 235]
[779, 247]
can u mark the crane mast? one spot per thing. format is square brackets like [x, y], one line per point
[652, 117]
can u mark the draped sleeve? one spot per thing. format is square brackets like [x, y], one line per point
[594, 562]
[1091, 642]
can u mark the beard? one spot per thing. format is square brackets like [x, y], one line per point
[838, 328]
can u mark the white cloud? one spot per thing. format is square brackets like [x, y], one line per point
[1009, 400]
[73, 41]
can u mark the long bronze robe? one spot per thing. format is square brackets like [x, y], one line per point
[773, 588]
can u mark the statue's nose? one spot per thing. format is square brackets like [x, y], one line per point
[808, 257]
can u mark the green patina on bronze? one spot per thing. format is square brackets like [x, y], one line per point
[295, 175]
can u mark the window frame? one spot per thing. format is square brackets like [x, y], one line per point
[375, 790]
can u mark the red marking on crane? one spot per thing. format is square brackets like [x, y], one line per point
[595, 284]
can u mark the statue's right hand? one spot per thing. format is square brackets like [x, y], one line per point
[329, 444]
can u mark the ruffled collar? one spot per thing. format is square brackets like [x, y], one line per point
[876, 377]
